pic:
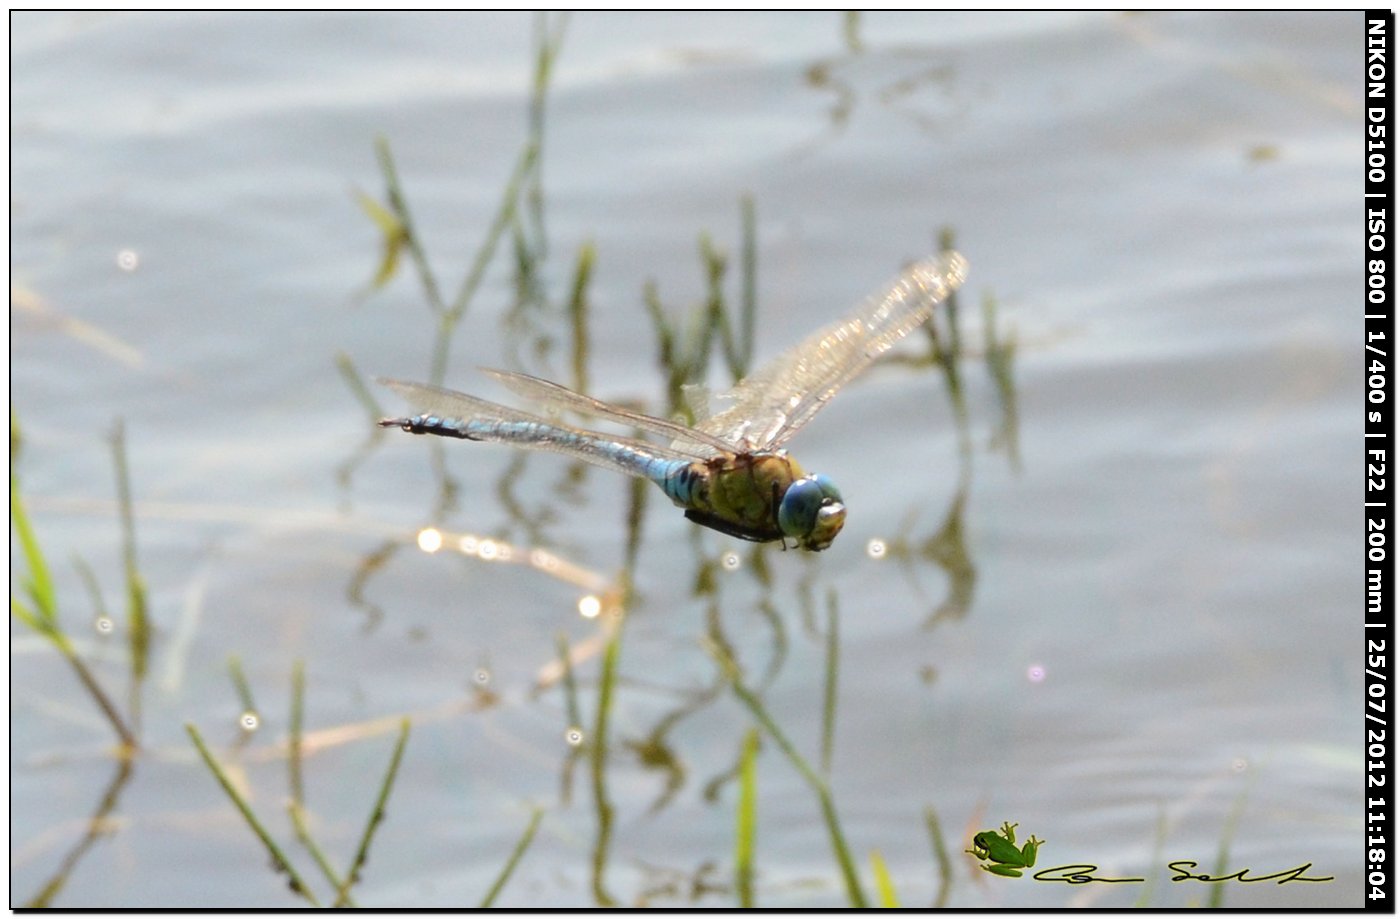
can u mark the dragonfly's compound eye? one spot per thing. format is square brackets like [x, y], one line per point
[812, 512]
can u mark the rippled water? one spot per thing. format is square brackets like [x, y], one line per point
[1116, 606]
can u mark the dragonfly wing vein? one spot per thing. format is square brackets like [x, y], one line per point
[766, 408]
[559, 397]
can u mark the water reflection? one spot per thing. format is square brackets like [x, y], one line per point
[923, 87]
[945, 548]
[101, 824]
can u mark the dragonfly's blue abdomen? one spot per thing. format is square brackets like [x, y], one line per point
[676, 477]
[684, 483]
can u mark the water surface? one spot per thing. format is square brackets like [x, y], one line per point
[1119, 611]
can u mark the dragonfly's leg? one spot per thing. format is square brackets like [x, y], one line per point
[724, 526]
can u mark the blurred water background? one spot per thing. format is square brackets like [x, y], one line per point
[1100, 575]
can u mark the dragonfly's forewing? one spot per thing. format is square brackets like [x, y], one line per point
[767, 407]
[523, 429]
[552, 395]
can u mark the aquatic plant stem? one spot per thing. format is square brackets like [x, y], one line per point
[818, 784]
[376, 817]
[521, 845]
[279, 858]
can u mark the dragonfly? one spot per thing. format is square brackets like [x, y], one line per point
[728, 471]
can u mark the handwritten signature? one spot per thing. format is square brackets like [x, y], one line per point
[1084, 874]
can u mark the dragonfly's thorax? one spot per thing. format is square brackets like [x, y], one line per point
[762, 496]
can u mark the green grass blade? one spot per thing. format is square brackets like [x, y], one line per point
[398, 204]
[578, 315]
[570, 685]
[1159, 842]
[280, 862]
[362, 393]
[42, 615]
[138, 622]
[294, 772]
[747, 819]
[829, 684]
[884, 885]
[38, 583]
[25, 614]
[240, 685]
[940, 857]
[297, 814]
[16, 436]
[296, 808]
[840, 849]
[667, 344]
[1001, 365]
[520, 846]
[1222, 856]
[748, 273]
[850, 31]
[574, 715]
[546, 44]
[598, 756]
[376, 817]
[598, 759]
[503, 220]
[637, 495]
[715, 317]
[393, 236]
[89, 579]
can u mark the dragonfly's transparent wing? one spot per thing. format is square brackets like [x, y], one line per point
[698, 401]
[767, 407]
[503, 424]
[552, 395]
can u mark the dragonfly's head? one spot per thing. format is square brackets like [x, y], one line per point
[812, 512]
